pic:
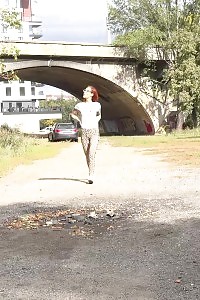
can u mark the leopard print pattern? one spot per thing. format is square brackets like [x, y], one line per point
[90, 140]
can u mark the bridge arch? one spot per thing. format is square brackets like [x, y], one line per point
[117, 102]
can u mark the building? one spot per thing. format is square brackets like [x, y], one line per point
[20, 97]
[31, 26]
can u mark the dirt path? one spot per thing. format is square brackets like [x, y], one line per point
[122, 176]
[152, 254]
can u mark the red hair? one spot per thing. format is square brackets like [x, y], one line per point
[95, 96]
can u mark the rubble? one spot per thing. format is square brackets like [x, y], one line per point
[79, 222]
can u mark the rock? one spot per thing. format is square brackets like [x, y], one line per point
[79, 218]
[110, 213]
[54, 222]
[71, 221]
[48, 223]
[93, 215]
[88, 222]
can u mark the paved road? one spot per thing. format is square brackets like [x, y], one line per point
[150, 251]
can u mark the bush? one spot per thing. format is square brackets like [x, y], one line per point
[11, 138]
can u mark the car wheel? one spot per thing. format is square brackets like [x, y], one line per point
[50, 138]
[76, 140]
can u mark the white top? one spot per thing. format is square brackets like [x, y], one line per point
[90, 114]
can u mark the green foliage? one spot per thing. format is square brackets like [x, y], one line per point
[11, 139]
[47, 122]
[171, 28]
[66, 105]
[9, 19]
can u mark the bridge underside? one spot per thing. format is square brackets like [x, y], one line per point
[120, 111]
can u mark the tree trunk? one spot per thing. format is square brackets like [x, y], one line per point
[179, 120]
[194, 117]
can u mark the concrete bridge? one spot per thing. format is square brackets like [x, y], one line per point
[71, 67]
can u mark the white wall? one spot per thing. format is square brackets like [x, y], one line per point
[27, 123]
[15, 91]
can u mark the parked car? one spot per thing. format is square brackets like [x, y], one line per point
[63, 131]
[43, 133]
[46, 130]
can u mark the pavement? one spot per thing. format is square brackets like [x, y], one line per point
[147, 250]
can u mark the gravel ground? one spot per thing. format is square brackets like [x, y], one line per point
[151, 251]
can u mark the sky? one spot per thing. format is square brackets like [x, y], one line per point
[74, 21]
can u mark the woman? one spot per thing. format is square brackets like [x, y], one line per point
[88, 114]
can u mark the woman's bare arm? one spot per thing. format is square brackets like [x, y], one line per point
[75, 115]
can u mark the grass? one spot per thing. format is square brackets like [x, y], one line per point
[178, 148]
[34, 149]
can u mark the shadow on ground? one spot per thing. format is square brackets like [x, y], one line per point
[64, 178]
[134, 259]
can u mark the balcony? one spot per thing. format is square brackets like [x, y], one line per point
[35, 30]
[35, 34]
[31, 110]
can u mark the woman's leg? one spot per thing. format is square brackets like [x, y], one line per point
[94, 139]
[90, 139]
[86, 144]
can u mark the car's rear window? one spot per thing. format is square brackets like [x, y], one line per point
[65, 126]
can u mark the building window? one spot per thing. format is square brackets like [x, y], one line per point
[22, 91]
[33, 91]
[8, 91]
[41, 93]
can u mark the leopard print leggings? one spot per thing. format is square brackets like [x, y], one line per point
[89, 140]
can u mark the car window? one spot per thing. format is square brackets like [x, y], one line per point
[65, 126]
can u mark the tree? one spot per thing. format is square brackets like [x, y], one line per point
[66, 106]
[9, 18]
[171, 28]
